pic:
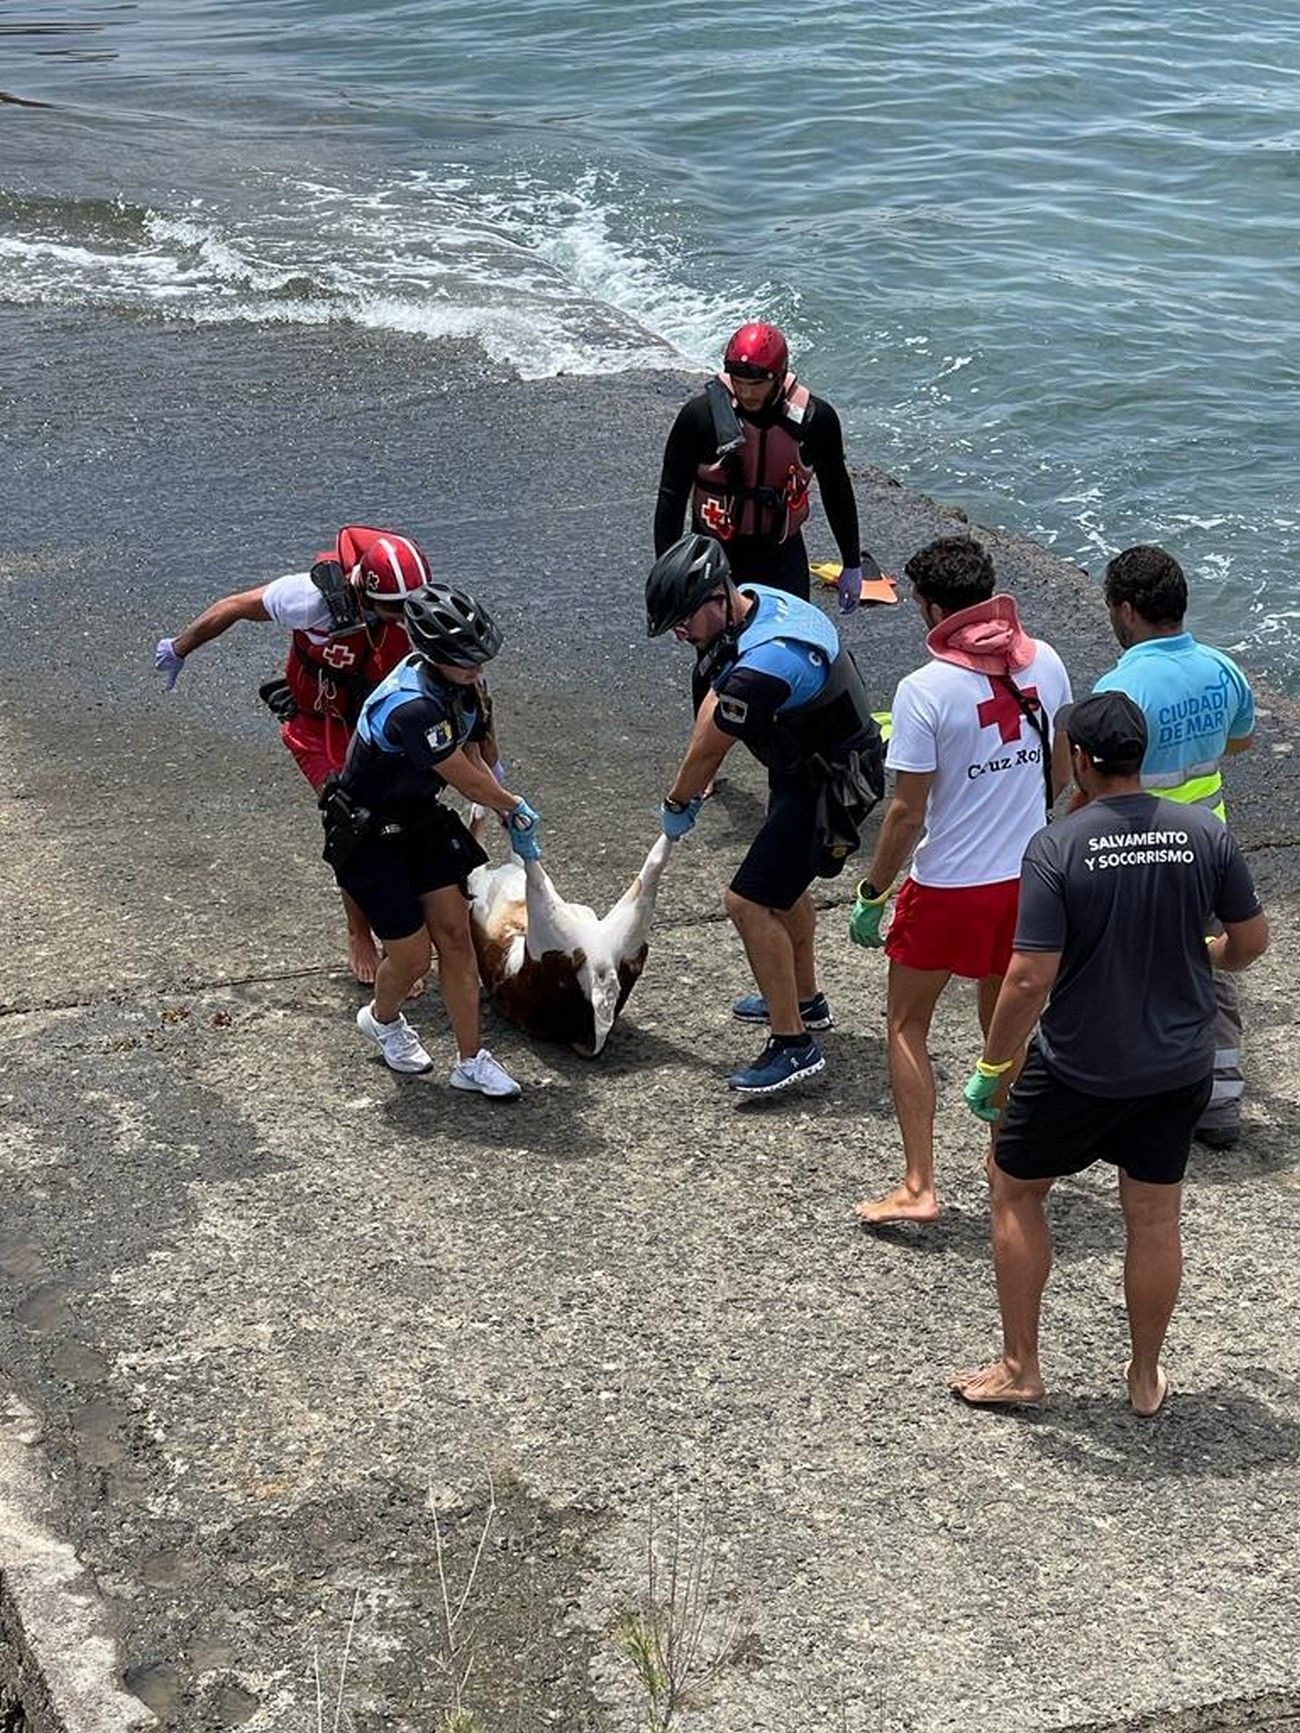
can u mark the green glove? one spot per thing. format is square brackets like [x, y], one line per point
[982, 1085]
[868, 912]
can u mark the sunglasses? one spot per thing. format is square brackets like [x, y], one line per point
[747, 370]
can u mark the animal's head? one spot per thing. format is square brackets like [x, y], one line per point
[602, 990]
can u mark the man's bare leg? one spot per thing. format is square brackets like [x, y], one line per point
[1153, 1273]
[1022, 1261]
[912, 997]
[363, 953]
[771, 953]
[446, 915]
[800, 922]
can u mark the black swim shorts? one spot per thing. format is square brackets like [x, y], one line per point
[778, 868]
[1048, 1129]
[387, 875]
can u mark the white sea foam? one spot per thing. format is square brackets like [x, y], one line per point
[546, 280]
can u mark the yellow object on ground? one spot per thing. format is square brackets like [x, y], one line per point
[881, 589]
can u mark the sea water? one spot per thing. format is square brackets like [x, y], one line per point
[1040, 255]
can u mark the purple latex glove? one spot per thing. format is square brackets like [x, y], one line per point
[848, 587]
[167, 661]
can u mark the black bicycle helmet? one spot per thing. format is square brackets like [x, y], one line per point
[448, 625]
[681, 579]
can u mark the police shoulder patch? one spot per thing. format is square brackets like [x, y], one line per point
[440, 736]
[732, 709]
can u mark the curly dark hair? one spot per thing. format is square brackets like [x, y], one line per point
[1152, 581]
[953, 573]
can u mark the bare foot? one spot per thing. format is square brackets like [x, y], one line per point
[1147, 1398]
[997, 1386]
[900, 1205]
[416, 989]
[363, 957]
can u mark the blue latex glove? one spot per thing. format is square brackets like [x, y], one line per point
[848, 587]
[981, 1086]
[523, 824]
[676, 824]
[167, 662]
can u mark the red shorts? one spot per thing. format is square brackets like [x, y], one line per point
[318, 743]
[966, 931]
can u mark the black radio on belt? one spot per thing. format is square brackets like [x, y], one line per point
[347, 823]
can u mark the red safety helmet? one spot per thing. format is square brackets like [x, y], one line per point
[757, 352]
[391, 568]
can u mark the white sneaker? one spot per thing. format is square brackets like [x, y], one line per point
[398, 1042]
[484, 1074]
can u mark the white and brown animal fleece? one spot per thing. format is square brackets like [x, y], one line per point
[557, 969]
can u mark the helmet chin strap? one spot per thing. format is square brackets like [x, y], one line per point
[724, 648]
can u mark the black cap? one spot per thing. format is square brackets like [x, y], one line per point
[1111, 730]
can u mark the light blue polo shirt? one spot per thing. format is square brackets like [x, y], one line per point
[1195, 700]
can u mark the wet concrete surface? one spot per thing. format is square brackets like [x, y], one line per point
[276, 1308]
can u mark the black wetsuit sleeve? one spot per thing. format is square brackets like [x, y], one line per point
[690, 444]
[824, 449]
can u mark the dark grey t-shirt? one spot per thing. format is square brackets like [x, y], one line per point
[1125, 888]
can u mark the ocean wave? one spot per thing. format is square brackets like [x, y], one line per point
[547, 280]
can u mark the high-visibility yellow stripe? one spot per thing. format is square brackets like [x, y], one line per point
[1204, 791]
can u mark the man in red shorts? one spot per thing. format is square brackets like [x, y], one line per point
[975, 773]
[345, 617]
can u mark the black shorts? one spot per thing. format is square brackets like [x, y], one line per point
[387, 876]
[779, 866]
[1049, 1129]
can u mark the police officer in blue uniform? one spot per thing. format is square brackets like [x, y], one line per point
[405, 857]
[776, 677]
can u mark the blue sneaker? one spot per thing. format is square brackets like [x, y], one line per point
[778, 1067]
[816, 1013]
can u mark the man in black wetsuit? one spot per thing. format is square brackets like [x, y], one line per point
[743, 455]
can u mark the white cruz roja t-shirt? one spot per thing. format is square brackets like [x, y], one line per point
[987, 798]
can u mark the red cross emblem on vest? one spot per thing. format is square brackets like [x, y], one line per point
[715, 518]
[1003, 710]
[338, 655]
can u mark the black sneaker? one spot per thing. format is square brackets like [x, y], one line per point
[1218, 1136]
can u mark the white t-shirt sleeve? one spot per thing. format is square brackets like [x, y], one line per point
[912, 743]
[295, 602]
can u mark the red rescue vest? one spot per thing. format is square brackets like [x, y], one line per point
[762, 488]
[333, 677]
